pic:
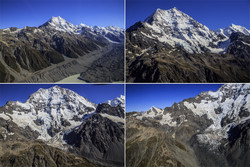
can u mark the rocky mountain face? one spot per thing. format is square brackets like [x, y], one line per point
[175, 27]
[26, 153]
[170, 46]
[101, 137]
[59, 121]
[27, 51]
[211, 129]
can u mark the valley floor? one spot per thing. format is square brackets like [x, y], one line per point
[72, 79]
[69, 67]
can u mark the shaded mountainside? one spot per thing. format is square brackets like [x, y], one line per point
[170, 46]
[147, 145]
[58, 127]
[211, 129]
[23, 52]
[38, 154]
[100, 137]
[33, 49]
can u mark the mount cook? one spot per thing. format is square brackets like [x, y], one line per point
[170, 46]
[62, 120]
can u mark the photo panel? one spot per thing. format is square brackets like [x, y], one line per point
[187, 41]
[187, 124]
[65, 41]
[62, 125]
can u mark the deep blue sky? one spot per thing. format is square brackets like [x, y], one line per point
[94, 93]
[212, 13]
[140, 97]
[21, 13]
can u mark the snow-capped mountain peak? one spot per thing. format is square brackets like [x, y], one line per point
[119, 101]
[165, 16]
[155, 110]
[57, 20]
[61, 24]
[82, 25]
[158, 114]
[177, 28]
[232, 28]
[58, 95]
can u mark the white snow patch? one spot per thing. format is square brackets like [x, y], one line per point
[167, 119]
[4, 116]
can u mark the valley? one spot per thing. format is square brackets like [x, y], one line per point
[58, 49]
[66, 68]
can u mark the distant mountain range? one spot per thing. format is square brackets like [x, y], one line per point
[211, 129]
[170, 46]
[110, 33]
[58, 49]
[62, 120]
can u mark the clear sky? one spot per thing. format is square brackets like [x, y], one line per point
[21, 13]
[212, 13]
[140, 97]
[94, 93]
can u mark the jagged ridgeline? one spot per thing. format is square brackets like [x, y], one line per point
[211, 129]
[170, 46]
[58, 49]
[58, 127]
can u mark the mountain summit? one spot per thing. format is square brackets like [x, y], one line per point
[57, 19]
[179, 29]
[167, 16]
[61, 24]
